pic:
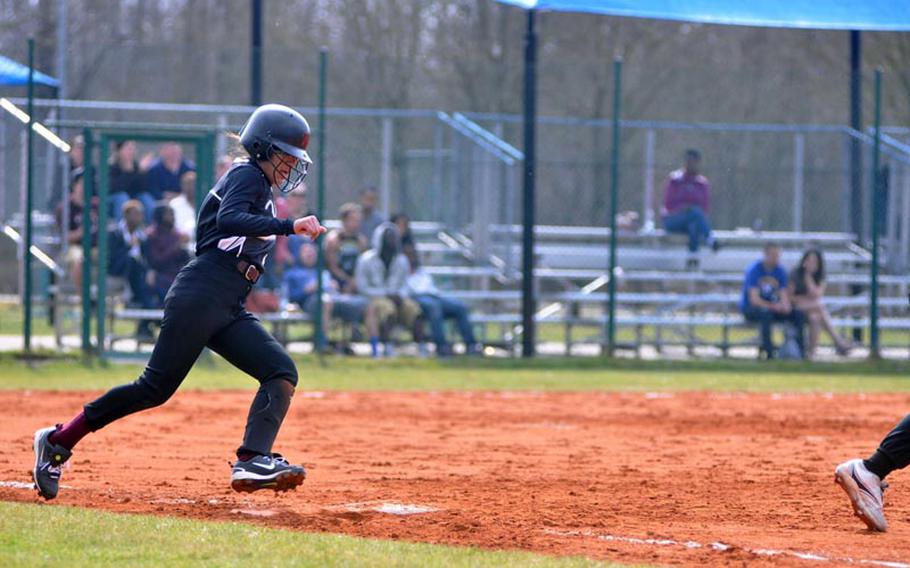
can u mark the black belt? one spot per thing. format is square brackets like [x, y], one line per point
[249, 271]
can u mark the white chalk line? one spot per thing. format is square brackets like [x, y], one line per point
[24, 485]
[721, 547]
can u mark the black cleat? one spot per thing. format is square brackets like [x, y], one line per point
[266, 472]
[48, 459]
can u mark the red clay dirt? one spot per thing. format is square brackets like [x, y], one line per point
[629, 477]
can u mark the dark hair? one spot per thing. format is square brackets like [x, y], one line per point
[397, 216]
[159, 212]
[410, 251]
[799, 273]
[693, 153]
[770, 245]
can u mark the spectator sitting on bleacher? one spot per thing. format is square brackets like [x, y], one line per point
[687, 201]
[765, 299]
[73, 227]
[127, 180]
[343, 247]
[437, 307]
[292, 206]
[127, 253]
[403, 222]
[381, 274]
[806, 289]
[371, 218]
[164, 172]
[300, 282]
[184, 206]
[166, 247]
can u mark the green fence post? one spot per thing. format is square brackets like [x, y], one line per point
[320, 202]
[103, 186]
[874, 352]
[614, 191]
[29, 203]
[88, 185]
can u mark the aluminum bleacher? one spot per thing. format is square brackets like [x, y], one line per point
[659, 301]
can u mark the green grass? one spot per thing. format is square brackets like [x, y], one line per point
[35, 535]
[499, 374]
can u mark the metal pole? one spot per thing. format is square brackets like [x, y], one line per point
[892, 246]
[101, 294]
[385, 174]
[62, 50]
[648, 217]
[614, 191]
[29, 203]
[846, 196]
[320, 200]
[88, 185]
[221, 139]
[856, 123]
[256, 54]
[528, 302]
[876, 213]
[436, 192]
[799, 143]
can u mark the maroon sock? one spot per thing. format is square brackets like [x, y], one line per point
[245, 456]
[69, 434]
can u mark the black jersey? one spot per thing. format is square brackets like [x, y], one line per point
[238, 215]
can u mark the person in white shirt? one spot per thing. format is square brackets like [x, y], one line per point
[184, 205]
[437, 308]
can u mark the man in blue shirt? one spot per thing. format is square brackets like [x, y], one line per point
[163, 177]
[765, 300]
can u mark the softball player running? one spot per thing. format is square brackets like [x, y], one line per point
[204, 307]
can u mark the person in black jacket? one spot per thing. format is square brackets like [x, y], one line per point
[127, 180]
[205, 308]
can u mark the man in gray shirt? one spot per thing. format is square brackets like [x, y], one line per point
[371, 217]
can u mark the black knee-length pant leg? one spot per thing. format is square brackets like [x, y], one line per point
[250, 348]
[894, 451]
[204, 299]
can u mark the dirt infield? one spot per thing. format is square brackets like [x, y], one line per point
[694, 478]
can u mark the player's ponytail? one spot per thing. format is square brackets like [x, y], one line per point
[235, 147]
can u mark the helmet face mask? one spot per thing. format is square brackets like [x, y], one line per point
[296, 171]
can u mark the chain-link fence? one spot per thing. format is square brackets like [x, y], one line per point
[463, 170]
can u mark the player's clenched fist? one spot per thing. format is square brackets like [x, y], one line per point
[308, 226]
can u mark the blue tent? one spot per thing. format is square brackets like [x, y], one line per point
[855, 16]
[16, 74]
[873, 15]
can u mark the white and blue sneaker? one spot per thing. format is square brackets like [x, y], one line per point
[865, 490]
[266, 472]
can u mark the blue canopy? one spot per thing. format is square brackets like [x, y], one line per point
[13, 73]
[872, 15]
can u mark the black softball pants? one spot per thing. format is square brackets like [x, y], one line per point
[204, 308]
[894, 451]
